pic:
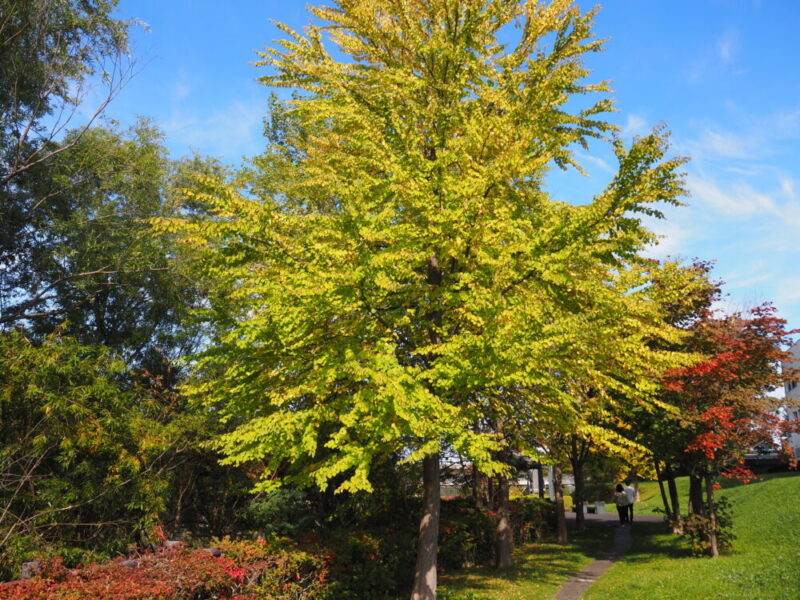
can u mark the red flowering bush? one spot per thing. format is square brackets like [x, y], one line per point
[246, 570]
[194, 575]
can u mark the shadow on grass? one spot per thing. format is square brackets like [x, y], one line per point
[651, 539]
[543, 563]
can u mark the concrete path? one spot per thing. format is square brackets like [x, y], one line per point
[575, 587]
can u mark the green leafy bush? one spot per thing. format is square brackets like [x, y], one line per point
[283, 512]
[466, 534]
[698, 529]
[532, 518]
[371, 564]
[94, 447]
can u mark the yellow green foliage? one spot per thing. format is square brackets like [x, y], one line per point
[392, 269]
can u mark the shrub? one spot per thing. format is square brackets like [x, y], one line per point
[532, 518]
[278, 569]
[698, 528]
[466, 534]
[284, 512]
[247, 570]
[192, 575]
[371, 564]
[467, 538]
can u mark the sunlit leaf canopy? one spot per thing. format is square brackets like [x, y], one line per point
[394, 260]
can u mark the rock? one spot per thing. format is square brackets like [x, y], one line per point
[130, 563]
[29, 569]
[173, 545]
[215, 552]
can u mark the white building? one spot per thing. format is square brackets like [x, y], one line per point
[791, 387]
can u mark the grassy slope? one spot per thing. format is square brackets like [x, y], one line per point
[540, 569]
[764, 565]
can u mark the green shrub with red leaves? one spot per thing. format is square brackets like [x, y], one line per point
[532, 518]
[466, 535]
[377, 563]
[278, 569]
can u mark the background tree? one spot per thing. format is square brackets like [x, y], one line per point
[84, 458]
[85, 253]
[614, 376]
[725, 398]
[664, 431]
[51, 53]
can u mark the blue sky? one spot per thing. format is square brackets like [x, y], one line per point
[723, 75]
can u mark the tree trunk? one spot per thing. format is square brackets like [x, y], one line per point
[712, 518]
[540, 479]
[696, 495]
[577, 470]
[480, 489]
[561, 518]
[427, 544]
[677, 518]
[503, 534]
[659, 476]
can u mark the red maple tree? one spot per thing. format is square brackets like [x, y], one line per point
[725, 398]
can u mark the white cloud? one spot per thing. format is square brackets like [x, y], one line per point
[736, 200]
[231, 130]
[180, 91]
[635, 126]
[674, 237]
[787, 186]
[597, 161]
[725, 144]
[727, 45]
[757, 273]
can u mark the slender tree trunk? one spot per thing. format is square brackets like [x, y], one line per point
[577, 470]
[540, 479]
[712, 517]
[696, 495]
[427, 544]
[677, 518]
[561, 518]
[503, 534]
[659, 475]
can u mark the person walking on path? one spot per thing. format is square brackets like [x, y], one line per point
[631, 494]
[576, 586]
[621, 500]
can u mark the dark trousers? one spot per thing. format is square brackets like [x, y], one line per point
[623, 514]
[630, 512]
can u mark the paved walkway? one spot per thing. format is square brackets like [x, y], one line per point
[575, 587]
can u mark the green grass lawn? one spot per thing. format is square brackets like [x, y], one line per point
[540, 569]
[765, 564]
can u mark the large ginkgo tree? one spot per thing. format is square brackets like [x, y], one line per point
[395, 257]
